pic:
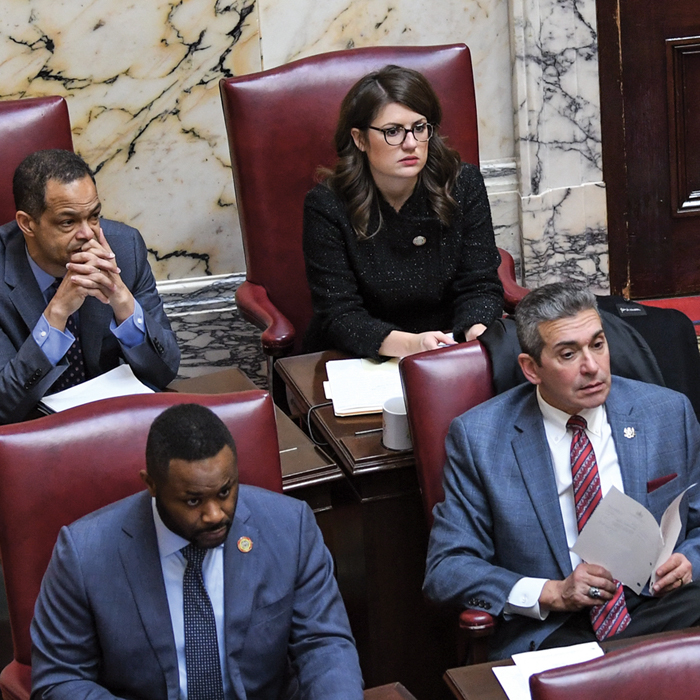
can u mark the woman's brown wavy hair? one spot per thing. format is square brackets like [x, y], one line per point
[351, 178]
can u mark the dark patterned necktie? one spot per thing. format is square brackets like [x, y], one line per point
[75, 372]
[201, 646]
[612, 617]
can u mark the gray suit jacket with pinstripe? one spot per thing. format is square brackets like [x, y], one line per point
[501, 518]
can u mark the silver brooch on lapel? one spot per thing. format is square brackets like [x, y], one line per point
[419, 240]
[629, 433]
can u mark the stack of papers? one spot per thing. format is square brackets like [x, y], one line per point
[119, 381]
[361, 386]
[515, 680]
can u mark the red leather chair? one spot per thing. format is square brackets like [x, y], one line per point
[440, 385]
[280, 126]
[663, 669]
[56, 469]
[26, 126]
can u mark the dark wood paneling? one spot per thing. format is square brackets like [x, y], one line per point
[683, 63]
[652, 252]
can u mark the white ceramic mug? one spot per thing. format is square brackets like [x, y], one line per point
[395, 435]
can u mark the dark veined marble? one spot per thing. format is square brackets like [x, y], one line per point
[211, 332]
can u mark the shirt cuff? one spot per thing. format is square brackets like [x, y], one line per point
[132, 331]
[53, 343]
[524, 598]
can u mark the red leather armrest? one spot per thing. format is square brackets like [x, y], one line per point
[255, 306]
[476, 623]
[16, 681]
[512, 291]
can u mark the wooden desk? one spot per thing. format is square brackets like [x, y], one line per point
[478, 682]
[380, 540]
[306, 469]
[393, 691]
[304, 376]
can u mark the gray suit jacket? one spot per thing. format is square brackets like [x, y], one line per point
[25, 372]
[102, 628]
[501, 518]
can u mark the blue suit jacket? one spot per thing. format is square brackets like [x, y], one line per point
[102, 624]
[501, 518]
[25, 372]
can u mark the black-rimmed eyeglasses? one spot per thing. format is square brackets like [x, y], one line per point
[396, 135]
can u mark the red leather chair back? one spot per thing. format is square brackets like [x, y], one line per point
[56, 469]
[26, 126]
[662, 669]
[440, 385]
[280, 126]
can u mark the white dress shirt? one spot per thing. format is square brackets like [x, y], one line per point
[173, 563]
[523, 598]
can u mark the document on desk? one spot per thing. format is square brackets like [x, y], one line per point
[119, 381]
[515, 680]
[362, 386]
[623, 536]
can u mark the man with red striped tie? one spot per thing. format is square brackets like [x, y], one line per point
[526, 470]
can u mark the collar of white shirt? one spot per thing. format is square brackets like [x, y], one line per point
[555, 420]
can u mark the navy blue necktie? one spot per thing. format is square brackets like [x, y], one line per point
[201, 646]
[75, 373]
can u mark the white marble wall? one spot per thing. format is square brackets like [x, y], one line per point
[558, 142]
[141, 81]
[292, 30]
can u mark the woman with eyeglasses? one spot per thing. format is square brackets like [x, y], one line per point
[398, 239]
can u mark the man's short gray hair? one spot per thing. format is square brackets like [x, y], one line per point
[549, 303]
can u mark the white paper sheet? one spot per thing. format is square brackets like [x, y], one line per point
[623, 536]
[515, 680]
[119, 381]
[670, 529]
[514, 683]
[362, 386]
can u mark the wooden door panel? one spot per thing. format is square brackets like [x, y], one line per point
[650, 107]
[683, 76]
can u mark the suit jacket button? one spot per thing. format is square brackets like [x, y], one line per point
[533, 646]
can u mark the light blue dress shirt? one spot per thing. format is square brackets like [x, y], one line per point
[55, 344]
[173, 564]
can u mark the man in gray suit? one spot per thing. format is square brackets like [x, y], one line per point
[77, 296]
[513, 506]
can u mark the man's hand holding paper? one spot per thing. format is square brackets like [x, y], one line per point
[574, 592]
[672, 574]
[623, 536]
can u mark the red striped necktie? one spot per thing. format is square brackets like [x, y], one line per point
[612, 617]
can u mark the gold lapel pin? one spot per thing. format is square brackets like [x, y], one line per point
[245, 544]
